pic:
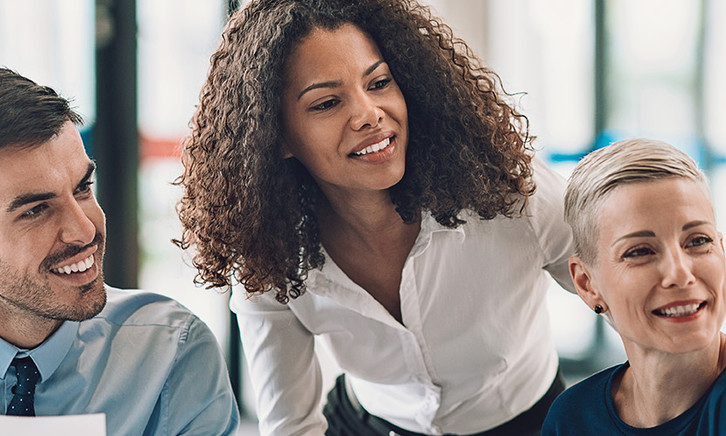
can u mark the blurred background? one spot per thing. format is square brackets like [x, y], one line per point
[585, 72]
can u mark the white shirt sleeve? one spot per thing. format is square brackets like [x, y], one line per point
[283, 367]
[547, 218]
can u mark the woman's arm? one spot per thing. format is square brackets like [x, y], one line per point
[546, 215]
[284, 369]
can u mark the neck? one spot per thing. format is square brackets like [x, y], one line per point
[369, 225]
[358, 208]
[658, 388]
[370, 218]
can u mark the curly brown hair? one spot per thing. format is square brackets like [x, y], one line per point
[252, 214]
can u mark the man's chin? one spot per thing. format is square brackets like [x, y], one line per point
[93, 300]
[95, 286]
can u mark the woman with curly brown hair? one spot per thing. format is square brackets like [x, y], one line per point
[361, 177]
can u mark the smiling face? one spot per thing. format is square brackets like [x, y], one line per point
[51, 234]
[344, 117]
[660, 266]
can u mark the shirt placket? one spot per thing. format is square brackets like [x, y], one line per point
[415, 348]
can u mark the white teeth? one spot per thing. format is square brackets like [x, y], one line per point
[686, 310]
[76, 267]
[374, 148]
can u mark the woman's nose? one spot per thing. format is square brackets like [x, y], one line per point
[365, 112]
[677, 268]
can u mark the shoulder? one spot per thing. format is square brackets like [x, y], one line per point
[139, 307]
[712, 408]
[148, 321]
[544, 215]
[582, 408]
[549, 189]
[716, 396]
[592, 387]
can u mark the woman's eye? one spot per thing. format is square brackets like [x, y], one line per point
[380, 84]
[327, 104]
[638, 252]
[699, 241]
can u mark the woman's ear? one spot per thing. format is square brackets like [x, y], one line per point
[585, 284]
[285, 150]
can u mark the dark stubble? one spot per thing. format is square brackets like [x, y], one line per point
[33, 294]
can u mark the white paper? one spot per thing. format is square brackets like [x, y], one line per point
[76, 425]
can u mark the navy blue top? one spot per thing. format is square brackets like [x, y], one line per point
[587, 409]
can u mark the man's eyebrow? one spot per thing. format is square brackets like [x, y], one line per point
[89, 173]
[22, 200]
[335, 83]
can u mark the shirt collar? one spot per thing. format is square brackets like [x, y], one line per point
[429, 226]
[7, 354]
[48, 355]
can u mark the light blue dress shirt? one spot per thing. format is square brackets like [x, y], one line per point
[145, 361]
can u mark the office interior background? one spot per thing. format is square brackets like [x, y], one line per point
[585, 72]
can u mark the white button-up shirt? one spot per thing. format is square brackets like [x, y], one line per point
[474, 349]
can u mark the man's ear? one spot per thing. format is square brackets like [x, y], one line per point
[585, 284]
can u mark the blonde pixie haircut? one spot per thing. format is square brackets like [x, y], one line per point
[601, 171]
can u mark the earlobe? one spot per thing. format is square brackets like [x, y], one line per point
[285, 152]
[584, 283]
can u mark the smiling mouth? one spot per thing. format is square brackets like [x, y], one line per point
[676, 311]
[374, 148]
[80, 266]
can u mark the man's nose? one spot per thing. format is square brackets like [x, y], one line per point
[76, 226]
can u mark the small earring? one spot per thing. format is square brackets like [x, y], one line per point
[597, 309]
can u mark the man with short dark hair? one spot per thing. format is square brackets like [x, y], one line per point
[69, 344]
